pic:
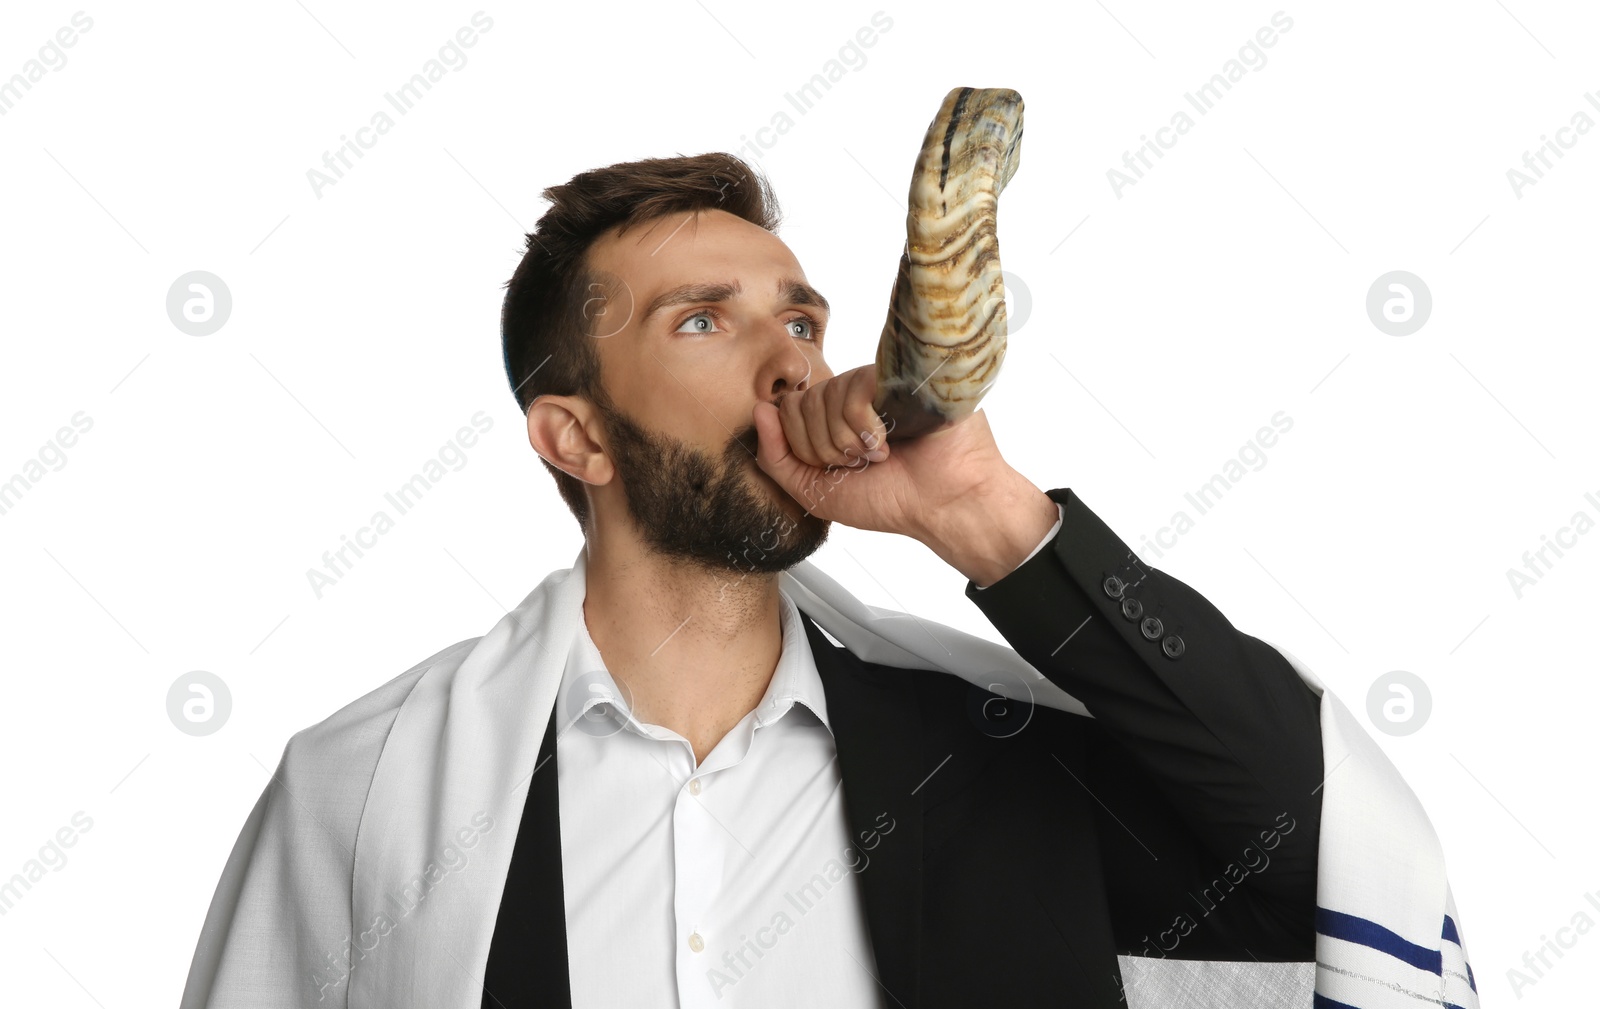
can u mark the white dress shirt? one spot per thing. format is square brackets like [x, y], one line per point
[731, 883]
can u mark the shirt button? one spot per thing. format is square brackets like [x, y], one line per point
[695, 942]
[694, 789]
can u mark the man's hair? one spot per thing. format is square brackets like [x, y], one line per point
[545, 323]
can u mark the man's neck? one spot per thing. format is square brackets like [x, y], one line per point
[692, 649]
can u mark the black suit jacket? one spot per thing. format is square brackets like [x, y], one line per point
[1030, 846]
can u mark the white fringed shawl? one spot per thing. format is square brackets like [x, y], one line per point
[383, 794]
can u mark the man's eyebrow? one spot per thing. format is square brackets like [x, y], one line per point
[800, 293]
[794, 291]
[688, 294]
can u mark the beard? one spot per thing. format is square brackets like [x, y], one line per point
[691, 505]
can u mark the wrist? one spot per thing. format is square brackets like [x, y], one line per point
[986, 535]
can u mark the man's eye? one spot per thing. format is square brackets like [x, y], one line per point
[807, 331]
[700, 322]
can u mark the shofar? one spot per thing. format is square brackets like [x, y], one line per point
[945, 337]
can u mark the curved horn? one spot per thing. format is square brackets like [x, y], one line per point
[945, 336]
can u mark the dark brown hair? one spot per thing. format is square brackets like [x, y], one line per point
[545, 334]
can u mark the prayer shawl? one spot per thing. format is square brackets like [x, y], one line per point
[415, 791]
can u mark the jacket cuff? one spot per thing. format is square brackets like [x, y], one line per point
[1101, 570]
[1061, 515]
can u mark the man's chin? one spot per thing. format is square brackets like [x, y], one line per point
[790, 524]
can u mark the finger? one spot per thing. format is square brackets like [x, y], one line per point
[792, 411]
[842, 438]
[816, 410]
[864, 421]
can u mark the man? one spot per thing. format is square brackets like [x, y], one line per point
[724, 807]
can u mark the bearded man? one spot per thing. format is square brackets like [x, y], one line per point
[691, 771]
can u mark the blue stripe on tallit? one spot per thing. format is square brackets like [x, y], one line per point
[1338, 925]
[1454, 936]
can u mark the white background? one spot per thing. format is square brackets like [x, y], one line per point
[1167, 324]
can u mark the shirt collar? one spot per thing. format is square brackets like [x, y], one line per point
[592, 700]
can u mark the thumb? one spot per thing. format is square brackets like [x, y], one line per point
[772, 451]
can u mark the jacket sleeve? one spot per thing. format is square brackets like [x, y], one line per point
[1205, 756]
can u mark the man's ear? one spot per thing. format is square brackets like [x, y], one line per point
[563, 430]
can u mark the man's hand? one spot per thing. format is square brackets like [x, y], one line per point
[949, 489]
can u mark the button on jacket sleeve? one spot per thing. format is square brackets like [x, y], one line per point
[1205, 755]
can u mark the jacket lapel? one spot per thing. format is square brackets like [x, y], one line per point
[876, 727]
[528, 956]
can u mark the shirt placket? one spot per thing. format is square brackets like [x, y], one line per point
[701, 849]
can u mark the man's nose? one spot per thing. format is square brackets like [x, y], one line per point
[787, 368]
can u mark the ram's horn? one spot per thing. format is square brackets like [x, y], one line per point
[945, 337]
